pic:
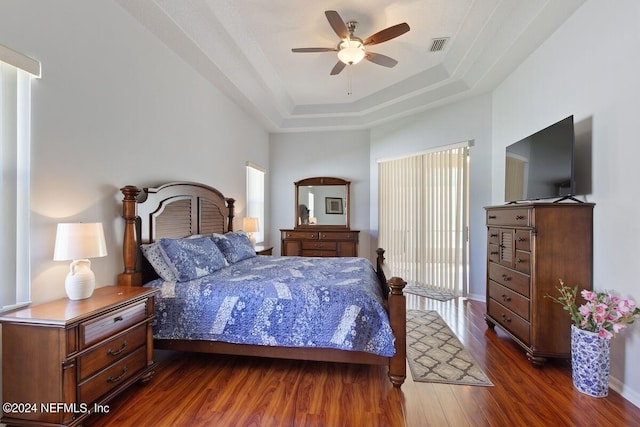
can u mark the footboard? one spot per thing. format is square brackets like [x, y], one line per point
[397, 309]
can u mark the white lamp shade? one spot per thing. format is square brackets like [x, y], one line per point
[79, 241]
[250, 224]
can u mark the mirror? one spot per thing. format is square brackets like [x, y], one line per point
[322, 202]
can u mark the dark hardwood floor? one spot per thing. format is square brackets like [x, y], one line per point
[213, 390]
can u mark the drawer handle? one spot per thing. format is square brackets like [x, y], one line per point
[495, 253]
[117, 352]
[519, 217]
[518, 260]
[521, 239]
[117, 319]
[493, 235]
[505, 318]
[118, 378]
[492, 217]
[506, 278]
[505, 298]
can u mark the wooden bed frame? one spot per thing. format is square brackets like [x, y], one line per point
[180, 209]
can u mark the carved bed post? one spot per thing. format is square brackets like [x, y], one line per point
[397, 306]
[230, 205]
[398, 320]
[130, 277]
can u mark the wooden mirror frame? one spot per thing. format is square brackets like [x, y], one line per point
[322, 181]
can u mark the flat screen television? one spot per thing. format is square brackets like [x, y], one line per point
[541, 166]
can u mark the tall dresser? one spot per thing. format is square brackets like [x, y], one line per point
[530, 248]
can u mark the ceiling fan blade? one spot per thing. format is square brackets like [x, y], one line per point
[337, 23]
[387, 34]
[379, 59]
[337, 68]
[314, 49]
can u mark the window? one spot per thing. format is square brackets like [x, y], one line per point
[423, 206]
[16, 72]
[255, 197]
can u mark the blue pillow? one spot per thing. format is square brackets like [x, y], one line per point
[153, 253]
[192, 258]
[235, 246]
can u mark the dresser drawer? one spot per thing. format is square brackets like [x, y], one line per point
[493, 236]
[513, 217]
[509, 278]
[318, 253]
[111, 323]
[104, 381]
[494, 253]
[313, 235]
[112, 351]
[509, 320]
[511, 300]
[319, 245]
[328, 235]
[523, 239]
[522, 262]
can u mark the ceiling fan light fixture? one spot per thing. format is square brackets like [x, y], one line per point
[351, 51]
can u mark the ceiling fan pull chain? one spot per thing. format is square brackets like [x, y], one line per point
[349, 82]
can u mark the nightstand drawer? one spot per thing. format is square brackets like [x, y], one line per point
[112, 351]
[101, 383]
[111, 323]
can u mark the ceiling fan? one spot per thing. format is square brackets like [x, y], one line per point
[352, 49]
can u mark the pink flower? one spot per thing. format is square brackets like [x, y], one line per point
[588, 295]
[625, 307]
[603, 333]
[600, 312]
[617, 327]
[585, 309]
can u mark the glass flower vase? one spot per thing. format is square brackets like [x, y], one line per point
[590, 362]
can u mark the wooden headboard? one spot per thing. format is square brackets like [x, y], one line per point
[176, 209]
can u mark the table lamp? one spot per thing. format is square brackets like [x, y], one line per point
[76, 242]
[250, 226]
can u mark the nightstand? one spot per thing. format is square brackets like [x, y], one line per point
[64, 360]
[264, 250]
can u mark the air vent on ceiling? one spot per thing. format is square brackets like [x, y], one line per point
[437, 45]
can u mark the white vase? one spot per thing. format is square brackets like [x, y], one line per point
[80, 280]
[590, 362]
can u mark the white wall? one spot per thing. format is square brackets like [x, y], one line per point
[295, 156]
[590, 68]
[114, 107]
[463, 121]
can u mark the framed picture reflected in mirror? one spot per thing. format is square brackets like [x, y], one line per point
[333, 205]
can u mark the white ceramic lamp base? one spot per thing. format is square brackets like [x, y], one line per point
[80, 280]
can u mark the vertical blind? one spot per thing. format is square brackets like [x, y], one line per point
[16, 71]
[423, 218]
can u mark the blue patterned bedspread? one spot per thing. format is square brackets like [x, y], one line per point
[280, 301]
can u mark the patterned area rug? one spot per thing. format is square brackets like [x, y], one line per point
[429, 293]
[436, 355]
